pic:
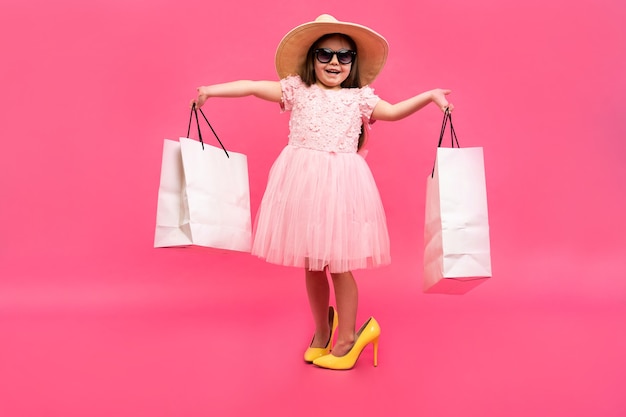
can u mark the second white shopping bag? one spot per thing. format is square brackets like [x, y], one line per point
[204, 196]
[457, 255]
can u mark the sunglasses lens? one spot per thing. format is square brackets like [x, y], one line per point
[324, 55]
[344, 57]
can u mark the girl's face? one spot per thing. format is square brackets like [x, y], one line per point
[332, 74]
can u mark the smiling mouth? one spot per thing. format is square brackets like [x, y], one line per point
[333, 71]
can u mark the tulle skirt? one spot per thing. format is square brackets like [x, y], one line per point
[321, 209]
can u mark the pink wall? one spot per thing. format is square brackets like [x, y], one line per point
[90, 89]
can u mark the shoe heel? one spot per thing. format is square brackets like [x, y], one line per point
[333, 328]
[375, 342]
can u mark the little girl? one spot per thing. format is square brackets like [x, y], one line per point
[321, 210]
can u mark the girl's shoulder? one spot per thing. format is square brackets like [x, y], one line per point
[367, 89]
[291, 82]
[292, 87]
[367, 93]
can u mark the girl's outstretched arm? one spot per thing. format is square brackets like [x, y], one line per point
[392, 112]
[267, 90]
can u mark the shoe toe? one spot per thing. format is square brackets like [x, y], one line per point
[312, 354]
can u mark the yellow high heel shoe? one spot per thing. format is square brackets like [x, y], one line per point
[368, 333]
[313, 353]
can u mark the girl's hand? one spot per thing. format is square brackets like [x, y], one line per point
[438, 97]
[201, 99]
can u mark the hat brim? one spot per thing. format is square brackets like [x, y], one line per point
[372, 48]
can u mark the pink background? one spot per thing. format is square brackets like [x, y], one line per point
[95, 322]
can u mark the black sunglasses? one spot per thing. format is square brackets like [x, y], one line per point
[325, 55]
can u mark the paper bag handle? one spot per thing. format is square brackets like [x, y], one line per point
[194, 111]
[447, 117]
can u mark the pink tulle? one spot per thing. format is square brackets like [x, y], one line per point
[321, 209]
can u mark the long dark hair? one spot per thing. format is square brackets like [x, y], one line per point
[353, 81]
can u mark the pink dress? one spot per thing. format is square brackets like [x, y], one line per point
[321, 206]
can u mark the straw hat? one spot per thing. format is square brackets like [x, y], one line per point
[371, 47]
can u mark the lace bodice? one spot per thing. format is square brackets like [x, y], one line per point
[326, 120]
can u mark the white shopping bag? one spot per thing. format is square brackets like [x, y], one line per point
[456, 233]
[203, 198]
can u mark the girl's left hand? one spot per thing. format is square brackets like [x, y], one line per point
[438, 96]
[201, 99]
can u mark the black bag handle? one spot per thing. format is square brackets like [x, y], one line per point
[194, 111]
[447, 118]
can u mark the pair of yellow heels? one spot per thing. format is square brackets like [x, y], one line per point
[322, 357]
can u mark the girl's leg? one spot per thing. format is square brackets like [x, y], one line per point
[347, 296]
[318, 291]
